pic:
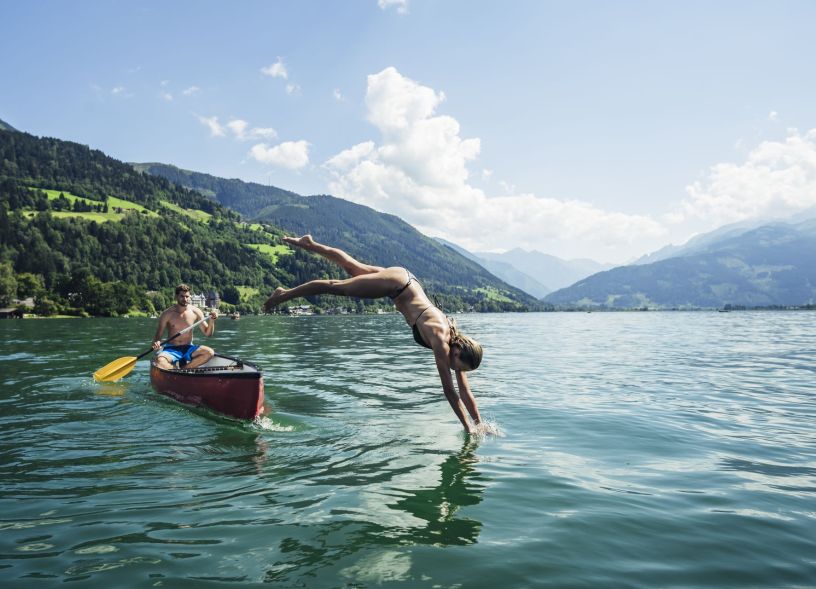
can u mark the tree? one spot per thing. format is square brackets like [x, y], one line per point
[29, 285]
[231, 295]
[8, 284]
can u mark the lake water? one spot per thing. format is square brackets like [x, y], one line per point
[635, 450]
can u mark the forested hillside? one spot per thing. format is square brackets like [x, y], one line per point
[84, 233]
[378, 238]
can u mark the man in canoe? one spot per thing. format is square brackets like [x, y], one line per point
[452, 350]
[182, 353]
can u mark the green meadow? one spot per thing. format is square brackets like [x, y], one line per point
[194, 214]
[273, 251]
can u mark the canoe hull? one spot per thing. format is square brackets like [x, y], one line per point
[224, 384]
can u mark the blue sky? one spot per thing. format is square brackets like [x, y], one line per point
[582, 129]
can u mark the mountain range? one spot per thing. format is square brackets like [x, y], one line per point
[772, 264]
[371, 236]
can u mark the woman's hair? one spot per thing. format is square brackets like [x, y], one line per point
[470, 351]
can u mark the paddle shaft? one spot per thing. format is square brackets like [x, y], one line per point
[172, 337]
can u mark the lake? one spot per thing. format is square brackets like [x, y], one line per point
[634, 450]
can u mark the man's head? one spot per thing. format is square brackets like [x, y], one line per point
[183, 295]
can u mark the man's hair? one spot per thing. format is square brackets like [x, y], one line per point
[182, 288]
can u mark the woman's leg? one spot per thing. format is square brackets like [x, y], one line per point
[373, 285]
[333, 254]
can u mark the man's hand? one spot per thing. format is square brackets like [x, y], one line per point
[213, 313]
[156, 344]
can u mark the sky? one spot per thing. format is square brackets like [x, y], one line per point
[584, 129]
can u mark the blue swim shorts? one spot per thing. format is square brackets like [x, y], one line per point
[180, 355]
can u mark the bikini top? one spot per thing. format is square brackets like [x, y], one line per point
[417, 335]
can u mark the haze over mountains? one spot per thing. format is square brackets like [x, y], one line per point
[772, 264]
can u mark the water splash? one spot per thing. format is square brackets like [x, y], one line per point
[489, 427]
[266, 424]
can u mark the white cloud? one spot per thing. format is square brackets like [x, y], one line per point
[243, 132]
[337, 95]
[777, 178]
[263, 133]
[292, 155]
[216, 129]
[276, 70]
[166, 96]
[419, 171]
[773, 116]
[400, 5]
[119, 91]
[292, 89]
[238, 128]
[191, 90]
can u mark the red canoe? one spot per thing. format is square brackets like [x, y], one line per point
[224, 384]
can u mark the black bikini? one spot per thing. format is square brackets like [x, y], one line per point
[411, 278]
[418, 336]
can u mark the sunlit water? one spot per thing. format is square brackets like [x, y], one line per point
[635, 450]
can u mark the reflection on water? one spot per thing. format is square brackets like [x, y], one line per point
[437, 507]
[420, 516]
[637, 450]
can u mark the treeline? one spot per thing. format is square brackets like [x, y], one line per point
[247, 198]
[73, 265]
[71, 167]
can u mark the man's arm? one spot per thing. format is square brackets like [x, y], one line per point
[207, 328]
[443, 367]
[159, 331]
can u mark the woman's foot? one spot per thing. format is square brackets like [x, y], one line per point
[275, 299]
[306, 242]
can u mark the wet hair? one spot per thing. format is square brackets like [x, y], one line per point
[182, 288]
[470, 351]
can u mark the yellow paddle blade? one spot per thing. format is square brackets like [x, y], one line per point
[115, 370]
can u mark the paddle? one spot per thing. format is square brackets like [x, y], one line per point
[121, 367]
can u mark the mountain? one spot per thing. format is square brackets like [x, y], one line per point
[4, 126]
[555, 272]
[507, 272]
[700, 242]
[765, 266]
[371, 236]
[75, 223]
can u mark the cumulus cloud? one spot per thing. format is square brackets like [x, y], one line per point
[276, 70]
[337, 94]
[216, 128]
[166, 96]
[419, 171]
[191, 90]
[400, 5]
[777, 178]
[240, 129]
[292, 155]
[773, 116]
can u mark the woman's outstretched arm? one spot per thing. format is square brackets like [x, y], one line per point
[444, 368]
[467, 397]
